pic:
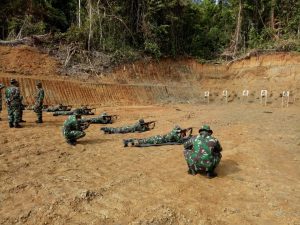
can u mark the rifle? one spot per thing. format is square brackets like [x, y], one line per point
[150, 124]
[88, 111]
[110, 117]
[186, 132]
[84, 123]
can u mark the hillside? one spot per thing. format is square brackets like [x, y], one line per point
[149, 82]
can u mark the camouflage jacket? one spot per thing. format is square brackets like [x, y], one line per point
[173, 136]
[71, 124]
[40, 97]
[13, 97]
[203, 151]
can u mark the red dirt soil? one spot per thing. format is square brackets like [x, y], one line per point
[43, 180]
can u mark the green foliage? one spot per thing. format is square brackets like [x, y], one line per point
[199, 28]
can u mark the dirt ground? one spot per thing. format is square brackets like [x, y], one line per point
[43, 180]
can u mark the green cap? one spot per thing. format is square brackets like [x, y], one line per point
[205, 128]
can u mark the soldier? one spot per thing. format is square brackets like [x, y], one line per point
[203, 153]
[13, 101]
[21, 111]
[57, 108]
[73, 128]
[140, 126]
[1, 87]
[175, 136]
[83, 110]
[38, 106]
[104, 118]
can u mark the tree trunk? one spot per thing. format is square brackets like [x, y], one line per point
[237, 33]
[90, 26]
[79, 12]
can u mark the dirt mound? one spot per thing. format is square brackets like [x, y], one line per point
[27, 61]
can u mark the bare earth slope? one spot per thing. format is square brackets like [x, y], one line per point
[45, 181]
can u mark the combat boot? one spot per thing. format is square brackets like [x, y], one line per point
[23, 121]
[39, 121]
[191, 171]
[125, 142]
[18, 125]
[211, 174]
[11, 125]
[71, 142]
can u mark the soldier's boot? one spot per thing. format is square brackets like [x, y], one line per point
[17, 125]
[125, 142]
[191, 171]
[11, 125]
[72, 142]
[211, 174]
[22, 121]
[39, 121]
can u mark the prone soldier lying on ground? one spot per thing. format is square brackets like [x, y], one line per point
[73, 128]
[84, 110]
[176, 136]
[104, 118]
[203, 153]
[58, 108]
[140, 126]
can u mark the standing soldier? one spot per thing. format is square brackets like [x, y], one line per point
[13, 101]
[38, 107]
[1, 87]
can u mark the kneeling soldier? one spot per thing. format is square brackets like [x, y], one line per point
[203, 153]
[73, 129]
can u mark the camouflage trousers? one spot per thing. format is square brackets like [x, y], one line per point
[63, 113]
[100, 120]
[158, 139]
[14, 115]
[199, 164]
[39, 112]
[73, 135]
[121, 130]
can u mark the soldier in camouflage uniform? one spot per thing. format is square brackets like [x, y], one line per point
[1, 87]
[58, 108]
[22, 109]
[140, 126]
[175, 136]
[73, 128]
[38, 106]
[203, 153]
[104, 118]
[84, 110]
[13, 101]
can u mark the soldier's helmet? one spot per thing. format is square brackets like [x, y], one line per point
[205, 128]
[177, 128]
[39, 84]
[104, 114]
[13, 81]
[141, 121]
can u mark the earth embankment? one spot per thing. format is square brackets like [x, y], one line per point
[150, 82]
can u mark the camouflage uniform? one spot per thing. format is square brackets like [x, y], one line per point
[203, 152]
[104, 118]
[72, 129]
[174, 136]
[1, 87]
[57, 108]
[137, 127]
[79, 111]
[38, 107]
[13, 101]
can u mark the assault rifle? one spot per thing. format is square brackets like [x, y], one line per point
[185, 133]
[150, 125]
[84, 123]
[110, 117]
